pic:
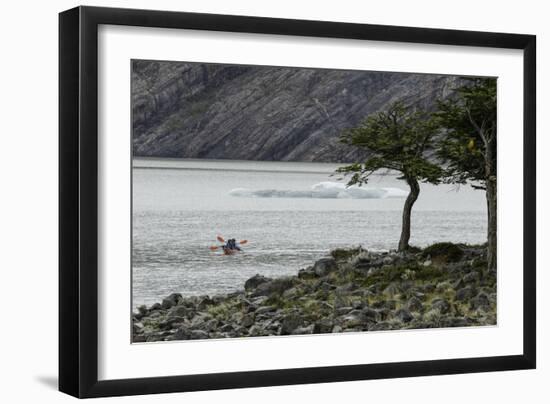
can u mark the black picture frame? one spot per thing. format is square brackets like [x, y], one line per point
[78, 201]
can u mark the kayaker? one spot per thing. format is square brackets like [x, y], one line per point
[231, 245]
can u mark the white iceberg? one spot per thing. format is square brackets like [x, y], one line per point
[323, 190]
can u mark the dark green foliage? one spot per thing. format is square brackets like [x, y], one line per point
[470, 126]
[451, 252]
[397, 139]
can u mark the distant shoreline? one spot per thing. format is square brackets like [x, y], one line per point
[260, 166]
[223, 169]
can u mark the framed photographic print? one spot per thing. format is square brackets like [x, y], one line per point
[251, 201]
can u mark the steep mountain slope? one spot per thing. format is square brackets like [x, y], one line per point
[197, 110]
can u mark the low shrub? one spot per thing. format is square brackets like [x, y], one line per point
[451, 252]
[429, 273]
[343, 254]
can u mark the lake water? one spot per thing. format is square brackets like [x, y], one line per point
[291, 213]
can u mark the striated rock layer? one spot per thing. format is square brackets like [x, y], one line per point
[197, 110]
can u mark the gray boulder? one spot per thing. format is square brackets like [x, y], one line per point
[258, 300]
[247, 320]
[204, 302]
[290, 323]
[256, 331]
[180, 311]
[324, 266]
[442, 305]
[371, 314]
[404, 315]
[292, 293]
[304, 330]
[385, 304]
[227, 328]
[255, 281]
[455, 322]
[355, 318]
[471, 277]
[182, 333]
[138, 327]
[170, 321]
[323, 326]
[143, 310]
[428, 288]
[363, 264]
[380, 326]
[414, 304]
[481, 301]
[274, 286]
[465, 293]
[458, 284]
[357, 304]
[199, 334]
[171, 300]
[384, 314]
[265, 309]
[387, 260]
[340, 311]
[139, 338]
[306, 273]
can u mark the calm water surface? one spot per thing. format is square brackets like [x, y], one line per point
[291, 213]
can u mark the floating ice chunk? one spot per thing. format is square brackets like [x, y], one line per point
[269, 193]
[323, 190]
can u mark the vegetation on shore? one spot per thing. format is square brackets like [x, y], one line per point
[444, 285]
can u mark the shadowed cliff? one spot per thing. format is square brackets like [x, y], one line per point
[196, 110]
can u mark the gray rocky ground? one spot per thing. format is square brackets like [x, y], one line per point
[444, 285]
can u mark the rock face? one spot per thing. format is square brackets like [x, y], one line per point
[198, 110]
[354, 290]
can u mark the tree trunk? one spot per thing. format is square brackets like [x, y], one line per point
[406, 225]
[491, 194]
[491, 223]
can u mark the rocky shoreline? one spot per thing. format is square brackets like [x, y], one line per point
[444, 285]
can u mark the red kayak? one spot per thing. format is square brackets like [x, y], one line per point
[227, 251]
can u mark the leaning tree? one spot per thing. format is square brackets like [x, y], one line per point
[468, 146]
[396, 139]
